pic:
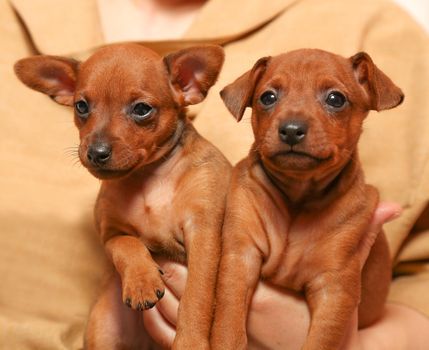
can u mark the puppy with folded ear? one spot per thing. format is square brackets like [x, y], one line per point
[298, 207]
[163, 186]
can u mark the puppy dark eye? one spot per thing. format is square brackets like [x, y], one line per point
[268, 98]
[141, 111]
[82, 108]
[336, 99]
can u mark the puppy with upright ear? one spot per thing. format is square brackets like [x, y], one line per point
[52, 75]
[194, 71]
[163, 186]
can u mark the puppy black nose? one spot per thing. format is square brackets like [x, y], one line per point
[99, 153]
[293, 132]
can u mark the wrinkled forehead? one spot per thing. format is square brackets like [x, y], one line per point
[309, 67]
[120, 68]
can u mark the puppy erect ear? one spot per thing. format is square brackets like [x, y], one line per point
[239, 94]
[193, 71]
[381, 91]
[54, 76]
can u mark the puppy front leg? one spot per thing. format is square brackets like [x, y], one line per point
[202, 242]
[142, 285]
[332, 298]
[238, 276]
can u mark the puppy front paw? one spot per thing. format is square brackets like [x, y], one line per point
[142, 287]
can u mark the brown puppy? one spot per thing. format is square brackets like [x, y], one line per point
[163, 186]
[298, 206]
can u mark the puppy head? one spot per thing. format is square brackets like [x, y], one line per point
[308, 107]
[129, 102]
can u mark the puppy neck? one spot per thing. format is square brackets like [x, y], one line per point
[168, 156]
[315, 192]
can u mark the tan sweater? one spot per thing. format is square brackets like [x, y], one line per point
[51, 263]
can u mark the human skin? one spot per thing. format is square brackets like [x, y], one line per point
[279, 319]
[146, 19]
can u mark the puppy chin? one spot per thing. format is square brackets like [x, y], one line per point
[295, 162]
[109, 174]
[296, 158]
[114, 168]
[290, 161]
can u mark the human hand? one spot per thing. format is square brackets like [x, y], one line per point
[278, 319]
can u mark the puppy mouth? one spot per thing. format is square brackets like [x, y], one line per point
[118, 166]
[297, 160]
[106, 174]
[293, 154]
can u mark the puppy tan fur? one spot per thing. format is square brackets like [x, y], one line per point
[163, 186]
[298, 205]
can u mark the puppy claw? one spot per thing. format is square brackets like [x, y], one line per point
[128, 302]
[142, 287]
[160, 294]
[148, 305]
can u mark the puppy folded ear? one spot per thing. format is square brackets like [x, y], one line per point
[193, 71]
[239, 94]
[381, 91]
[52, 75]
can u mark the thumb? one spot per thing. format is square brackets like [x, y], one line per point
[385, 212]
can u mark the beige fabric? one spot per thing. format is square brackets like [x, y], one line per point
[51, 262]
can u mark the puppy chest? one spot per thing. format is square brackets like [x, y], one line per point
[304, 255]
[155, 216]
[159, 222]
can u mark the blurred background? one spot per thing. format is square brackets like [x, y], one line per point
[419, 9]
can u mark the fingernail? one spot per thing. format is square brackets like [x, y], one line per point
[394, 216]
